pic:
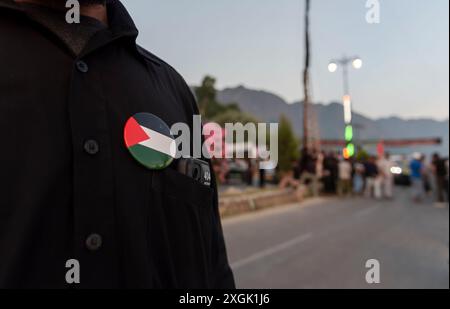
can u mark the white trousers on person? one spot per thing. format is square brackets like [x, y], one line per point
[373, 187]
[388, 187]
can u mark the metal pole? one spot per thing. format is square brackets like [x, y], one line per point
[306, 79]
[344, 62]
[347, 103]
[345, 78]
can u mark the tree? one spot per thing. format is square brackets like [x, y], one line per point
[288, 144]
[206, 94]
[362, 155]
[207, 101]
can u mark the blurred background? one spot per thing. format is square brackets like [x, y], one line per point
[360, 91]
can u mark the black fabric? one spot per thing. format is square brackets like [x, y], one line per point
[441, 168]
[371, 169]
[157, 229]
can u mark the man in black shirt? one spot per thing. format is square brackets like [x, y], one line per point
[70, 190]
[372, 181]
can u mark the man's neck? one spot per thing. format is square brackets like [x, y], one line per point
[97, 11]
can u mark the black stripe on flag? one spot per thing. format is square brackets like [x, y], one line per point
[154, 123]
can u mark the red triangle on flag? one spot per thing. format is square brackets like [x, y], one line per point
[134, 133]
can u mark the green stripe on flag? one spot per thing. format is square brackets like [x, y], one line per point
[150, 158]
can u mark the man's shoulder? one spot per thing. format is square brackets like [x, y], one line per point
[167, 68]
[12, 16]
[9, 6]
[12, 26]
[169, 74]
[151, 57]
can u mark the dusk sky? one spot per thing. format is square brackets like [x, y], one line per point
[259, 44]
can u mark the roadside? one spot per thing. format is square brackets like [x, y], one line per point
[234, 201]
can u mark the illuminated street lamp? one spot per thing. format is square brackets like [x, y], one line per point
[357, 63]
[332, 67]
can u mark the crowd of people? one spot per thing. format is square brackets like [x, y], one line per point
[429, 179]
[372, 176]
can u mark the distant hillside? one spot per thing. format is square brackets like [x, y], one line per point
[269, 107]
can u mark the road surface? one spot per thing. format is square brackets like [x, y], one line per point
[325, 243]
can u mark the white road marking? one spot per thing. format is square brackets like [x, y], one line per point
[270, 251]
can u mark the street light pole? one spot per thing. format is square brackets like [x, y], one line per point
[345, 79]
[306, 79]
[356, 62]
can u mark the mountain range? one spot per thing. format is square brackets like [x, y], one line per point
[269, 107]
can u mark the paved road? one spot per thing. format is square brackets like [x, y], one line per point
[325, 243]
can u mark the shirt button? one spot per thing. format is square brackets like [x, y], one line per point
[91, 147]
[82, 66]
[94, 242]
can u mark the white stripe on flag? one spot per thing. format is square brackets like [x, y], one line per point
[159, 142]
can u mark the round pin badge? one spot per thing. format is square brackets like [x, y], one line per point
[150, 141]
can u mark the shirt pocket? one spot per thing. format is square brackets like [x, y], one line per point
[180, 223]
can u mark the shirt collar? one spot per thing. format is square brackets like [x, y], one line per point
[121, 25]
[120, 22]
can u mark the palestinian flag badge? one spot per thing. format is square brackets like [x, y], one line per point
[150, 141]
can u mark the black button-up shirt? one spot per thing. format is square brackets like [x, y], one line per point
[69, 189]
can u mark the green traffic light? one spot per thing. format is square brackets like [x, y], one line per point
[351, 149]
[349, 133]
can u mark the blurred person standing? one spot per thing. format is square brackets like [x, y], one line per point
[248, 175]
[373, 184]
[446, 178]
[358, 178]
[440, 177]
[345, 178]
[416, 168]
[262, 178]
[290, 178]
[385, 166]
[308, 172]
[319, 165]
[330, 173]
[428, 179]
